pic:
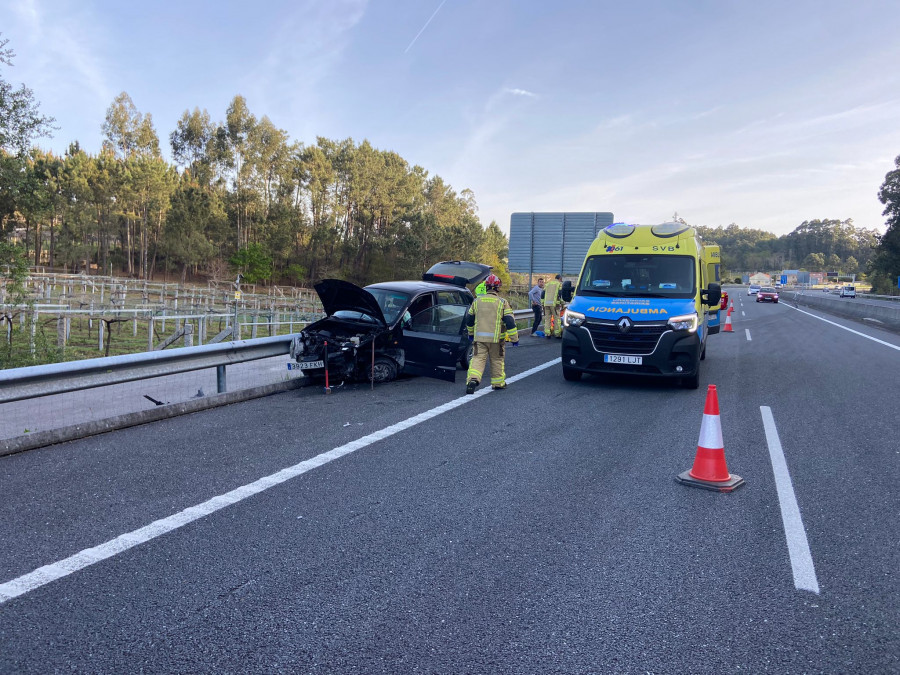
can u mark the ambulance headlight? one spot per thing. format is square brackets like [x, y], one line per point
[687, 322]
[573, 319]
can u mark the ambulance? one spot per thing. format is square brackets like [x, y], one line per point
[643, 304]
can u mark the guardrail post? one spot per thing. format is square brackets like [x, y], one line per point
[60, 331]
[188, 334]
[150, 335]
[220, 379]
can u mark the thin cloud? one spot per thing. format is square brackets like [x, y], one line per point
[521, 92]
[424, 27]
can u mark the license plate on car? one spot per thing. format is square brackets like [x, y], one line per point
[311, 365]
[621, 358]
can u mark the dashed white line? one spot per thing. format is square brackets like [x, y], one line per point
[748, 335]
[743, 313]
[49, 573]
[798, 547]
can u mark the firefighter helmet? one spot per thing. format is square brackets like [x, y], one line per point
[493, 281]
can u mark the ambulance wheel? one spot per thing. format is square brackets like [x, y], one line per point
[571, 374]
[384, 370]
[692, 381]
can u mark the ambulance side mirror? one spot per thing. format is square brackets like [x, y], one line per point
[712, 296]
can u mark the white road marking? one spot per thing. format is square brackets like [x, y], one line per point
[743, 313]
[855, 332]
[748, 335]
[44, 575]
[798, 547]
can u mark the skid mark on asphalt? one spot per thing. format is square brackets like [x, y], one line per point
[62, 568]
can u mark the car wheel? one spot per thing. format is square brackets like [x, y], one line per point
[571, 374]
[775, 301]
[466, 358]
[384, 370]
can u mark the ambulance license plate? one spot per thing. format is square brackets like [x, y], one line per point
[310, 365]
[619, 358]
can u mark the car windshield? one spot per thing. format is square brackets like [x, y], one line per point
[391, 302]
[767, 290]
[653, 276]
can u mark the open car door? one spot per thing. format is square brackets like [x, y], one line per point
[434, 341]
[457, 272]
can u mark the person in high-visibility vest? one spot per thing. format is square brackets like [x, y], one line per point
[552, 304]
[490, 322]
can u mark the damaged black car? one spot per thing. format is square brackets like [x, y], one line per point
[377, 332]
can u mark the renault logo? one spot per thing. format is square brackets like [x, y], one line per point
[624, 324]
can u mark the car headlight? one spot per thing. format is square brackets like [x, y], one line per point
[573, 319]
[687, 322]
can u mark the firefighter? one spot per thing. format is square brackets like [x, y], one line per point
[552, 305]
[490, 322]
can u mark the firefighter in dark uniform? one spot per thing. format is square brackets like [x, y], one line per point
[490, 322]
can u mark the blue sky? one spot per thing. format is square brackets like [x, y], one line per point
[760, 113]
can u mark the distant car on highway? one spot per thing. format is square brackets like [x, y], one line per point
[848, 292]
[767, 294]
[753, 290]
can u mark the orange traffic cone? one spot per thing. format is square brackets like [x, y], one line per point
[728, 328]
[710, 471]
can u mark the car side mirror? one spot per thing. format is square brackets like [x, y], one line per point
[712, 296]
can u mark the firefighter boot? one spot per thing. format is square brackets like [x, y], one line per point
[470, 386]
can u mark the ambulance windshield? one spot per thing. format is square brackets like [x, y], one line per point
[646, 276]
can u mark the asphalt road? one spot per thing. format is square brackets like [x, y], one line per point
[533, 530]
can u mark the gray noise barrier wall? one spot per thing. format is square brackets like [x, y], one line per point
[550, 243]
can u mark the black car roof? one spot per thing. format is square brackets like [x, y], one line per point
[415, 286]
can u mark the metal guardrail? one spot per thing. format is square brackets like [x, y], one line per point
[19, 384]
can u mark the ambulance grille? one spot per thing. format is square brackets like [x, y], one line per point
[641, 339]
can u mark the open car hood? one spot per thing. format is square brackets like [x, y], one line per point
[337, 295]
[457, 272]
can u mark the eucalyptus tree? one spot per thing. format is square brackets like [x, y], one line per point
[191, 144]
[886, 262]
[316, 179]
[230, 148]
[20, 118]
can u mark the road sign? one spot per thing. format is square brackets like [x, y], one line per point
[553, 242]
[237, 295]
[783, 279]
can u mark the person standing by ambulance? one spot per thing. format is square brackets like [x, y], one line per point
[490, 322]
[534, 295]
[552, 322]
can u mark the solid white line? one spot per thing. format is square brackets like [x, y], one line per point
[748, 335]
[798, 547]
[44, 575]
[855, 332]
